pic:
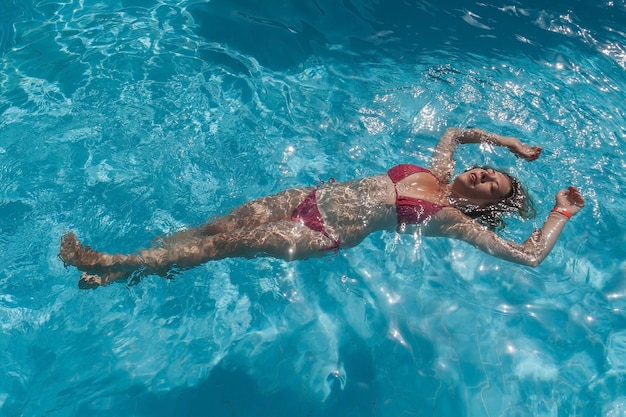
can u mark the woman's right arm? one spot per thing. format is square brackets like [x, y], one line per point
[442, 164]
[454, 224]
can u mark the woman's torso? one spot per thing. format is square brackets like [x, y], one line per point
[352, 210]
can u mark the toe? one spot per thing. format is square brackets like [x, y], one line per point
[88, 282]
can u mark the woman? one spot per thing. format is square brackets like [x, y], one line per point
[309, 222]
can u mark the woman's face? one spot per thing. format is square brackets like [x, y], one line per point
[481, 186]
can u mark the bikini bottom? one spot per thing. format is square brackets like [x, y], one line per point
[309, 214]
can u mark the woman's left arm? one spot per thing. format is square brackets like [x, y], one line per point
[534, 250]
[442, 164]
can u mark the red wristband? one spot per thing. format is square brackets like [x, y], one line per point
[562, 211]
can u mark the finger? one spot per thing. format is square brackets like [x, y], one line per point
[534, 153]
[575, 196]
[573, 191]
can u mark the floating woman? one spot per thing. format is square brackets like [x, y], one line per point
[308, 222]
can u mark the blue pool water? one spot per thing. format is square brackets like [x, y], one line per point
[126, 119]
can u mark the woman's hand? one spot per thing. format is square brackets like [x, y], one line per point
[570, 200]
[521, 150]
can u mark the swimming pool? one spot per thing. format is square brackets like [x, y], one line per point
[123, 120]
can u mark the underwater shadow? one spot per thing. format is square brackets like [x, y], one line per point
[232, 392]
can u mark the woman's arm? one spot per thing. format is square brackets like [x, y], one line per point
[442, 164]
[454, 224]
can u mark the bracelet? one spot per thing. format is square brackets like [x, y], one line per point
[562, 211]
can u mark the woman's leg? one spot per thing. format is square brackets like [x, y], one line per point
[270, 209]
[285, 240]
[98, 268]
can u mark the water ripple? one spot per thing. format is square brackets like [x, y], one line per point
[127, 120]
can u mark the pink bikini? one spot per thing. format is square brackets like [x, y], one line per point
[410, 210]
[309, 214]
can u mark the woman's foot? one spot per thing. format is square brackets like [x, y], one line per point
[70, 249]
[86, 259]
[75, 254]
[91, 281]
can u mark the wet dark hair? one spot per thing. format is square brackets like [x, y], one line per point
[517, 201]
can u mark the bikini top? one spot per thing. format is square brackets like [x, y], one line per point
[411, 210]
